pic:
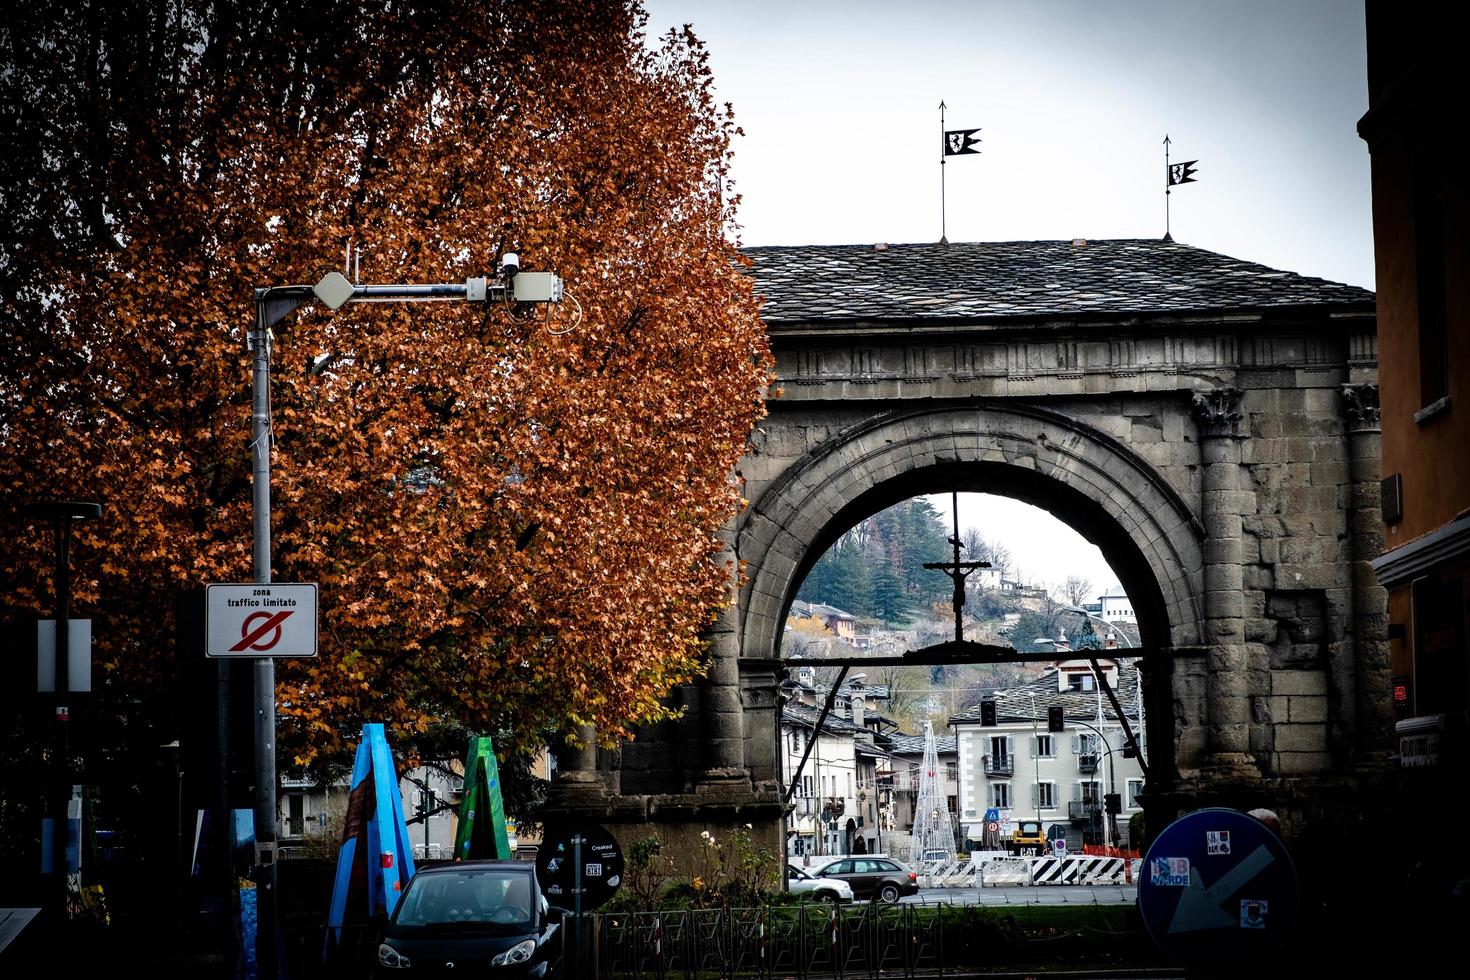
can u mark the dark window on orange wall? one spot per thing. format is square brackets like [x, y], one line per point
[1441, 661]
[1429, 261]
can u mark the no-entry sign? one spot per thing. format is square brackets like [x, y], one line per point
[257, 620]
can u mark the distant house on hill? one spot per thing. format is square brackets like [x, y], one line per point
[1116, 607]
[843, 624]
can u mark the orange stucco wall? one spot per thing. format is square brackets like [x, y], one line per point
[1433, 457]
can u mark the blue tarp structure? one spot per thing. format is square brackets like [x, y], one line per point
[376, 859]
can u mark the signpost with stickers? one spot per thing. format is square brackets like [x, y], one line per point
[579, 869]
[1218, 889]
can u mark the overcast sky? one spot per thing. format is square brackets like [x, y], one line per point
[1043, 549]
[839, 104]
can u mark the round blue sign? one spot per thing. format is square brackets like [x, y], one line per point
[1217, 887]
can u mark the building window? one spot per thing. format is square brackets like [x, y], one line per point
[1135, 786]
[1044, 747]
[1429, 261]
[1046, 795]
[1089, 792]
[1079, 681]
[1000, 795]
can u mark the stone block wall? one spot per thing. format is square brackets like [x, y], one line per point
[1217, 463]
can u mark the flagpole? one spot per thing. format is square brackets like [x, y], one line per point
[943, 231]
[1167, 237]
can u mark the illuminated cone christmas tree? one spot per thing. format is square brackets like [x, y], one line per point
[933, 832]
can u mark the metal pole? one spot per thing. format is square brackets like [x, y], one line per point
[61, 828]
[62, 513]
[943, 233]
[1112, 771]
[1167, 236]
[265, 667]
[577, 905]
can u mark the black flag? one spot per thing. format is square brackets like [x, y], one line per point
[1182, 173]
[958, 142]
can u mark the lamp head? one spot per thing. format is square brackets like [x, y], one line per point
[334, 290]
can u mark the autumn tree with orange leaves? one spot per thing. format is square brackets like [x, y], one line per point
[513, 527]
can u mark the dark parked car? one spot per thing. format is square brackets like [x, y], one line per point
[472, 919]
[872, 876]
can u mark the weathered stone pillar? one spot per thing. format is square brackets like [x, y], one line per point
[1374, 728]
[1217, 413]
[724, 731]
[576, 775]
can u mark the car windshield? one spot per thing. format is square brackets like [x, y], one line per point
[473, 899]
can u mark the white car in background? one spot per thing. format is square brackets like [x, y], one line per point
[824, 889]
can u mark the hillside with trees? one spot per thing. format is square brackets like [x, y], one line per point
[876, 569]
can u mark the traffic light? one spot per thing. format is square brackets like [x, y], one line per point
[987, 713]
[1054, 720]
[1113, 803]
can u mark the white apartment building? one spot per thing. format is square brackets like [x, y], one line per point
[1116, 607]
[836, 804]
[1021, 770]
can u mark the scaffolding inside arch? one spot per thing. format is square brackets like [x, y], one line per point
[933, 837]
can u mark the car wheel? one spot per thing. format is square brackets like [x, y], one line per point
[889, 894]
[825, 896]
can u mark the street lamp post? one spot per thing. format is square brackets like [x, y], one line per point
[1112, 773]
[63, 514]
[1083, 612]
[1112, 695]
[272, 304]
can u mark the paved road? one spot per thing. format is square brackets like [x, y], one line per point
[1029, 895]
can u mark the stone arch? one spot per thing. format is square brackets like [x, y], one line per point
[1084, 477]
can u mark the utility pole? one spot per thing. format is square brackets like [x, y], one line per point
[516, 291]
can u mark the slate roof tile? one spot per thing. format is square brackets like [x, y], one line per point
[1015, 703]
[914, 744]
[831, 283]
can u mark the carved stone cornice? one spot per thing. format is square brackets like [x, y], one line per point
[1360, 406]
[1217, 411]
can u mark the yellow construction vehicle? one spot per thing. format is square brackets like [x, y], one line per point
[1028, 839]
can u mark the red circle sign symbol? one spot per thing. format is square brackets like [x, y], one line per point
[250, 639]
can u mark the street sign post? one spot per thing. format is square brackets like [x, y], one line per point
[255, 620]
[579, 869]
[1218, 889]
[600, 868]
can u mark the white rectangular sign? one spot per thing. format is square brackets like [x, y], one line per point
[79, 655]
[256, 620]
